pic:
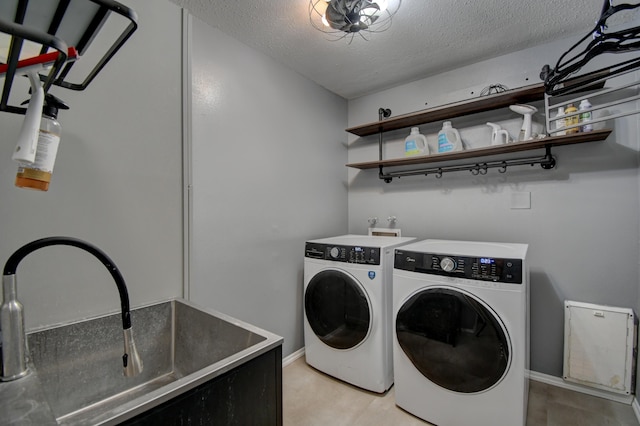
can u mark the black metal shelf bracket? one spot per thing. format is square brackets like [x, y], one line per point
[382, 114]
[547, 162]
[96, 13]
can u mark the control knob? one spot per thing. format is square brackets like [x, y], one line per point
[447, 264]
[335, 252]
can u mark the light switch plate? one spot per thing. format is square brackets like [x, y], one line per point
[520, 200]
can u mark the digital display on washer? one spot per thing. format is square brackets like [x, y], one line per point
[474, 268]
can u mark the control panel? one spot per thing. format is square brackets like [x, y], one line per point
[473, 268]
[339, 253]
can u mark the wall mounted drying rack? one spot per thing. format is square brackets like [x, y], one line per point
[59, 27]
[621, 90]
[452, 161]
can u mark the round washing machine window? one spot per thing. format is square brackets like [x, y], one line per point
[453, 339]
[337, 309]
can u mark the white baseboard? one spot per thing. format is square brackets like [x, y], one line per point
[557, 381]
[289, 359]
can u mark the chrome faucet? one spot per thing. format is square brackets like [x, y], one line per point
[13, 340]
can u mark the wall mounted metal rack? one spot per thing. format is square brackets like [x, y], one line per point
[415, 165]
[57, 25]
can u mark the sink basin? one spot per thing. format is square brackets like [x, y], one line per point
[77, 375]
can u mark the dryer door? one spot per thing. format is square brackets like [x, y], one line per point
[337, 309]
[454, 339]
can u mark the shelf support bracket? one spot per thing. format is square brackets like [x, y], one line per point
[549, 162]
[382, 114]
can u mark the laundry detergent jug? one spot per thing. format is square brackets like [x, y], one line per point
[415, 143]
[449, 138]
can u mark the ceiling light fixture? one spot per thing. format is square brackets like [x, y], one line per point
[348, 18]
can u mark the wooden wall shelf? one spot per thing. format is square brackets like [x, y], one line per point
[457, 109]
[596, 135]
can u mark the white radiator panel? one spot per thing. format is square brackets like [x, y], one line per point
[600, 346]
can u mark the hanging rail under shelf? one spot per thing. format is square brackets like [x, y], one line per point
[546, 162]
[596, 135]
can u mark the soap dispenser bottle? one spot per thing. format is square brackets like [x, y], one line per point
[449, 138]
[415, 143]
[37, 175]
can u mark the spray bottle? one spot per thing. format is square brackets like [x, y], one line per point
[27, 145]
[37, 175]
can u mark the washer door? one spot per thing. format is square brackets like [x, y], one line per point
[337, 309]
[454, 339]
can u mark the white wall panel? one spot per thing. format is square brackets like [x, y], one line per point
[268, 173]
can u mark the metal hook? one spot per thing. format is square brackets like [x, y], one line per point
[475, 170]
[483, 170]
[439, 174]
[503, 169]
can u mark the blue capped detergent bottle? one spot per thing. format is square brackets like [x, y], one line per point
[449, 138]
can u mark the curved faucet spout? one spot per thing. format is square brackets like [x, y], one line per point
[13, 339]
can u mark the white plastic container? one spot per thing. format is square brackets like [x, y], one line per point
[449, 138]
[415, 143]
[560, 122]
[585, 116]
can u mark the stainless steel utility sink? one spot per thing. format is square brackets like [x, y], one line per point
[77, 369]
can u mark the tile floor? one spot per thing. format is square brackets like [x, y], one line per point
[311, 398]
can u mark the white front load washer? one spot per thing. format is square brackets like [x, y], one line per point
[347, 308]
[460, 332]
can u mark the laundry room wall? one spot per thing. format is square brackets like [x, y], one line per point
[268, 149]
[117, 181]
[582, 227]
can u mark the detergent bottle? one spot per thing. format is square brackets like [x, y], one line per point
[570, 121]
[561, 122]
[585, 116]
[415, 143]
[449, 138]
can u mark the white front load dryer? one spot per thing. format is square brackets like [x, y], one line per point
[347, 308]
[460, 332]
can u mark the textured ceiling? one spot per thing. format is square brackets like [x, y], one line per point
[427, 36]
